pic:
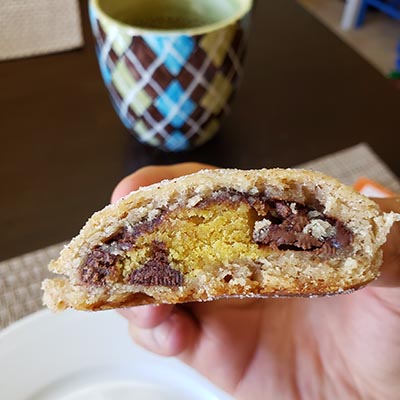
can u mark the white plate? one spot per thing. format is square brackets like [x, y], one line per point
[89, 356]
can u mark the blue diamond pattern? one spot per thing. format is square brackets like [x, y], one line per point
[124, 118]
[126, 121]
[92, 16]
[184, 46]
[169, 99]
[177, 142]
[105, 71]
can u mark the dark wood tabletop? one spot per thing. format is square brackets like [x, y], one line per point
[63, 148]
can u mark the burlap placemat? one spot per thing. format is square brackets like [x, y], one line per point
[20, 277]
[33, 27]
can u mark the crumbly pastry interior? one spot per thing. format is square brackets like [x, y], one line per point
[221, 234]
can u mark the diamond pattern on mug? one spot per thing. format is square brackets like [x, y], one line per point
[208, 131]
[169, 90]
[115, 96]
[198, 93]
[181, 108]
[198, 113]
[132, 115]
[161, 78]
[185, 77]
[216, 98]
[142, 131]
[105, 72]
[126, 120]
[101, 34]
[217, 44]
[122, 79]
[121, 43]
[112, 59]
[143, 52]
[93, 19]
[107, 28]
[154, 113]
[183, 45]
[141, 128]
[147, 68]
[140, 102]
[130, 90]
[177, 141]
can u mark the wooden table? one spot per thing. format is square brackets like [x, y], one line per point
[63, 149]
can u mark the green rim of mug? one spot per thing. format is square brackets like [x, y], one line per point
[130, 29]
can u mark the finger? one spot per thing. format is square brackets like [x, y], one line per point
[198, 309]
[153, 174]
[170, 338]
[388, 204]
[390, 271]
[147, 317]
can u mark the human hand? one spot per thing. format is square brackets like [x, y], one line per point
[344, 347]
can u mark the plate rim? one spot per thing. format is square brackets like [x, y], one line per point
[19, 328]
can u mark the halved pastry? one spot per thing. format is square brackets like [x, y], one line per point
[223, 233]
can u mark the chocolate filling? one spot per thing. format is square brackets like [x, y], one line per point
[287, 222]
[99, 265]
[157, 271]
[125, 239]
[296, 227]
[280, 225]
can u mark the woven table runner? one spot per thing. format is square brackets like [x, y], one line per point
[20, 277]
[34, 27]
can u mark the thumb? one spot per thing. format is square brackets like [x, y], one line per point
[153, 174]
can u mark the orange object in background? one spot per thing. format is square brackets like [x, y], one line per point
[371, 188]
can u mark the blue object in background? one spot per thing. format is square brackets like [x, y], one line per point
[391, 8]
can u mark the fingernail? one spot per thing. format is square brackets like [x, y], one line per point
[163, 331]
[129, 313]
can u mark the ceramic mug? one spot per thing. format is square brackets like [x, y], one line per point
[171, 66]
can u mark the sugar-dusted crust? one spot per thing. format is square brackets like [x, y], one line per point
[368, 225]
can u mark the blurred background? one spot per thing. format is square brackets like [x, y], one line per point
[313, 85]
[370, 27]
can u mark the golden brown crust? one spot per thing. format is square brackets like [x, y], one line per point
[85, 303]
[296, 272]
